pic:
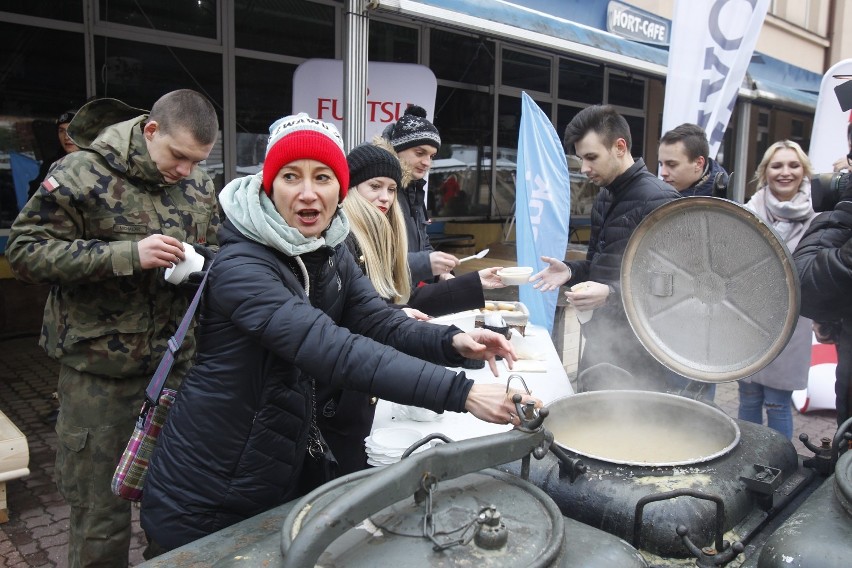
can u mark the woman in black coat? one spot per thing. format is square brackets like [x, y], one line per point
[286, 309]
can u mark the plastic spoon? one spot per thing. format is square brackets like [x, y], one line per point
[480, 254]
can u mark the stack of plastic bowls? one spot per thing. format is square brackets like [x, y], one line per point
[386, 445]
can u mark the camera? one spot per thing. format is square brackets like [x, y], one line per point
[827, 189]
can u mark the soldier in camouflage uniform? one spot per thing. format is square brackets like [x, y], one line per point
[101, 229]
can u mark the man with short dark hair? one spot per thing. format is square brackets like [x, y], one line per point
[629, 193]
[101, 229]
[685, 163]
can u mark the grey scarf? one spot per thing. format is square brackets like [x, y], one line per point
[252, 212]
[790, 219]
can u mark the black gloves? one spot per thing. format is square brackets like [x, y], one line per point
[194, 279]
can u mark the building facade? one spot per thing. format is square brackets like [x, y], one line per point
[57, 54]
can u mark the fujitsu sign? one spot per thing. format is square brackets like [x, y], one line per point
[392, 87]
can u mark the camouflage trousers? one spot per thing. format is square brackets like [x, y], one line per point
[96, 419]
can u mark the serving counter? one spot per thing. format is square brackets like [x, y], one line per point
[548, 383]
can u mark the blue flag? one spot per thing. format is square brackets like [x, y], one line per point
[542, 204]
[24, 169]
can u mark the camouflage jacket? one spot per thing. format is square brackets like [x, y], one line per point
[105, 315]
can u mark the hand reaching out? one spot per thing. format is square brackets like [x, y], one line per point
[489, 278]
[555, 275]
[484, 345]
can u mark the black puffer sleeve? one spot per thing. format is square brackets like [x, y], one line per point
[259, 295]
[823, 260]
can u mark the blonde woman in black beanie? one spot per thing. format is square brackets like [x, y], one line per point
[378, 235]
[378, 241]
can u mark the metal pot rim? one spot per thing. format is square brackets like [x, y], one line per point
[667, 398]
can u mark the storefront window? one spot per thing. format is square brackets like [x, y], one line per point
[54, 9]
[626, 91]
[583, 192]
[195, 17]
[637, 133]
[526, 71]
[264, 93]
[34, 81]
[36, 88]
[140, 73]
[392, 43]
[286, 27]
[564, 114]
[459, 184]
[580, 82]
[508, 124]
[460, 58]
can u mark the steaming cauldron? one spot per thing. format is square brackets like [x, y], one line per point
[711, 293]
[665, 461]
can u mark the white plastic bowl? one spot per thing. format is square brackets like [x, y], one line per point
[515, 275]
[465, 321]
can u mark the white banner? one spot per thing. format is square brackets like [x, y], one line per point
[828, 137]
[391, 88]
[712, 43]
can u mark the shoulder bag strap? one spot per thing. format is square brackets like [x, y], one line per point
[155, 387]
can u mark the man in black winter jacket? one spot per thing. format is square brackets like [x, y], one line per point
[629, 192]
[824, 261]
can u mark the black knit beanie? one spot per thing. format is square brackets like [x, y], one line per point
[368, 161]
[412, 129]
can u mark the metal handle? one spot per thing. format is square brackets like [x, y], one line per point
[303, 546]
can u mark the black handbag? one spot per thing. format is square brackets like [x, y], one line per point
[319, 466]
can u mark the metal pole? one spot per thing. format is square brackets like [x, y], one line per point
[741, 153]
[356, 25]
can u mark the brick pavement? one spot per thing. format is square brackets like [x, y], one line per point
[37, 532]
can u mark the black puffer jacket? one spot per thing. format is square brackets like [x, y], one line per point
[714, 182]
[618, 210]
[235, 439]
[412, 203]
[824, 263]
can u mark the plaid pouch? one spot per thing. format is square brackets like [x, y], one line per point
[129, 476]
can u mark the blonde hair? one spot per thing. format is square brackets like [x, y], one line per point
[383, 243]
[760, 173]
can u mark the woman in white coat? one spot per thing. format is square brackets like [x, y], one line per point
[783, 201]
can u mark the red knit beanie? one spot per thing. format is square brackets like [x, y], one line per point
[300, 137]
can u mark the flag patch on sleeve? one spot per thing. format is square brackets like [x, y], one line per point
[50, 184]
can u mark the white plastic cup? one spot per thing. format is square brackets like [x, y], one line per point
[178, 273]
[584, 316]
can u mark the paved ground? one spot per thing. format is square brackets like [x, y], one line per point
[37, 532]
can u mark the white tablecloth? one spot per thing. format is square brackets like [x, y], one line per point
[548, 386]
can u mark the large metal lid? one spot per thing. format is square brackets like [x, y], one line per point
[709, 289]
[528, 527]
